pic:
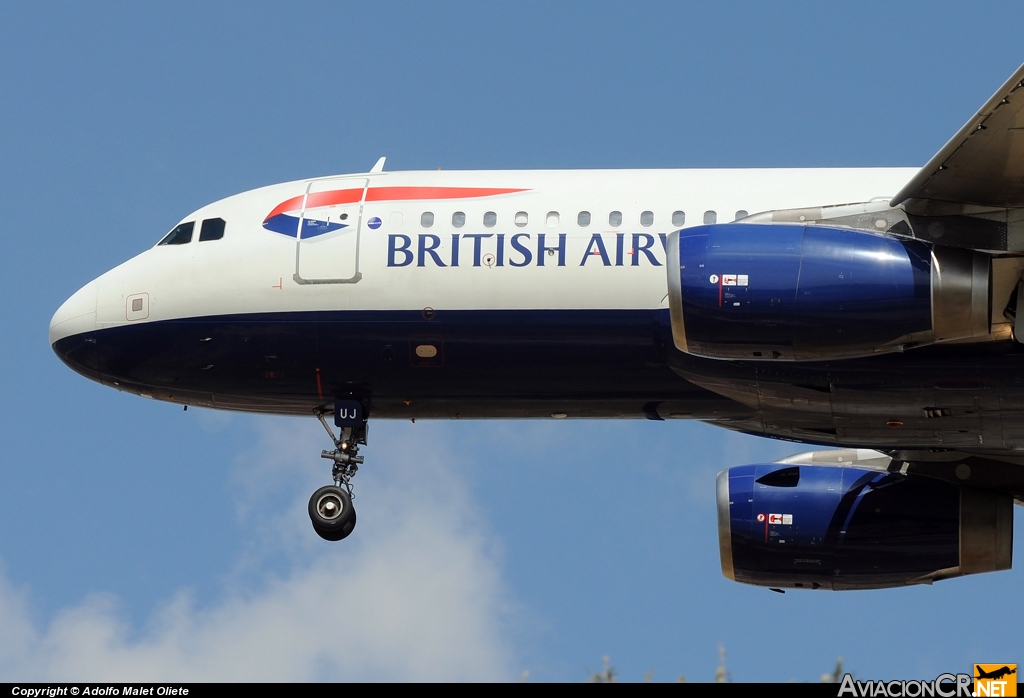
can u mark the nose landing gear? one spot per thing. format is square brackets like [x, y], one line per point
[330, 508]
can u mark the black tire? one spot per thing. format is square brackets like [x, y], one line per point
[338, 535]
[330, 509]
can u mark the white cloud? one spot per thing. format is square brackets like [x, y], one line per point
[415, 594]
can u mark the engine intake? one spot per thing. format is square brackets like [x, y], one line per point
[800, 293]
[848, 527]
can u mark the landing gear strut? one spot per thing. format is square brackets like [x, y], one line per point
[330, 507]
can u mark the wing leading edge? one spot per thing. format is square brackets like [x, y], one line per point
[982, 165]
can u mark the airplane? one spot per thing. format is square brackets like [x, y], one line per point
[995, 673]
[871, 310]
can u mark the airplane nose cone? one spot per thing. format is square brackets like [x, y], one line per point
[75, 316]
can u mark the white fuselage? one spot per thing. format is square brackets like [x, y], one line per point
[255, 270]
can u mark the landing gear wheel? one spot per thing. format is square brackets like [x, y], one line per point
[330, 510]
[338, 535]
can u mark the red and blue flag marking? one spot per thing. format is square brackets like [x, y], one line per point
[283, 218]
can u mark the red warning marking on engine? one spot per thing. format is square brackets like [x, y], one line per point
[735, 279]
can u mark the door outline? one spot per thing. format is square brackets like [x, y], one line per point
[357, 275]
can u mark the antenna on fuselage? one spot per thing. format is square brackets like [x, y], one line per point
[379, 167]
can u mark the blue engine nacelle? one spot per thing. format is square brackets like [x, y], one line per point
[795, 292]
[848, 527]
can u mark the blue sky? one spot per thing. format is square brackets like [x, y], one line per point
[140, 541]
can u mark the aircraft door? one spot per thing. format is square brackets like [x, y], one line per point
[327, 243]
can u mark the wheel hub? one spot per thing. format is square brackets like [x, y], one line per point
[329, 507]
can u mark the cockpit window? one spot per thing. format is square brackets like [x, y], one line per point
[213, 229]
[180, 235]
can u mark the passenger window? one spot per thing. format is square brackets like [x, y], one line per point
[490, 219]
[710, 218]
[583, 219]
[552, 219]
[679, 218]
[647, 219]
[426, 219]
[522, 219]
[213, 229]
[180, 235]
[741, 214]
[458, 219]
[615, 219]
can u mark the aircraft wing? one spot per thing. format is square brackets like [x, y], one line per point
[983, 164]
